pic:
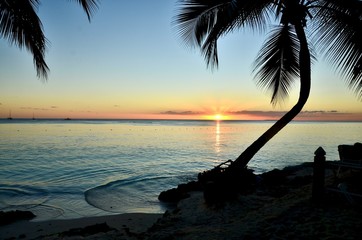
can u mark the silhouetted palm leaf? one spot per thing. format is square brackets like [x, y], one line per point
[89, 6]
[20, 25]
[338, 33]
[277, 64]
[202, 22]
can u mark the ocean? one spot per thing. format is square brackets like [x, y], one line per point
[70, 169]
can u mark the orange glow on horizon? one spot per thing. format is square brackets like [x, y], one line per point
[194, 114]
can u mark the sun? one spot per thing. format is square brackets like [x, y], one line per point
[218, 117]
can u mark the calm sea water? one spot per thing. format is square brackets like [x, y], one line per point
[70, 169]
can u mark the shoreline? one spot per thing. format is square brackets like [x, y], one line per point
[279, 209]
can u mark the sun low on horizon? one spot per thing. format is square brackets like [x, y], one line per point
[218, 117]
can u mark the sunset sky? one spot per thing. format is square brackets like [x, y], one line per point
[129, 62]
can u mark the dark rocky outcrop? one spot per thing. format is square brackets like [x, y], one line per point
[222, 183]
[225, 184]
[218, 184]
[14, 216]
[350, 153]
[176, 194]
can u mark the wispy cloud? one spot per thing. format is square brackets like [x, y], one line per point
[181, 113]
[304, 115]
[321, 112]
[280, 113]
[35, 109]
[51, 108]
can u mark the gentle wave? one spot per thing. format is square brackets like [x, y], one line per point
[136, 194]
[70, 169]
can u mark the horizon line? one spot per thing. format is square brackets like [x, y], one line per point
[164, 119]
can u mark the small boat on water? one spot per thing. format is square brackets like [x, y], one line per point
[10, 118]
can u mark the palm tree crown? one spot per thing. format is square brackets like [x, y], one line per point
[335, 26]
[20, 25]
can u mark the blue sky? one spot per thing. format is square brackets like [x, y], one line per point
[129, 62]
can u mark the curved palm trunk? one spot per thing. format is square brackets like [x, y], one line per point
[305, 85]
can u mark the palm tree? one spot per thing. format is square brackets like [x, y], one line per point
[335, 27]
[20, 25]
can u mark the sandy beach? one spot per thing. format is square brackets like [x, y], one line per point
[121, 225]
[280, 210]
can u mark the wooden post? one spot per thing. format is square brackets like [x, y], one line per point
[318, 175]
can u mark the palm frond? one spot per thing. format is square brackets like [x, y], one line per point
[196, 18]
[277, 63]
[20, 25]
[89, 6]
[338, 34]
[202, 22]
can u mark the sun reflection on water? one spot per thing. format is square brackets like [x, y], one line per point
[217, 137]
